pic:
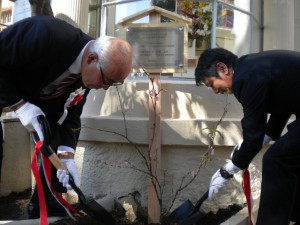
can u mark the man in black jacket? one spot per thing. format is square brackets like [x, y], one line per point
[265, 83]
[47, 67]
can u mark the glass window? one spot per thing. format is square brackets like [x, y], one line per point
[94, 20]
[225, 15]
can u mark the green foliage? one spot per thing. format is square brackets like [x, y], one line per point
[212, 132]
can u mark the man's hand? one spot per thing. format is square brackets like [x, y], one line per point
[63, 176]
[221, 178]
[66, 155]
[28, 114]
[223, 175]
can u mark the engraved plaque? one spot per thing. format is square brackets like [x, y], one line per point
[157, 48]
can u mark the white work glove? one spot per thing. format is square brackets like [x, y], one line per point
[28, 114]
[218, 181]
[62, 175]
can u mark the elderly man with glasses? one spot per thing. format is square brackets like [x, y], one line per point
[45, 63]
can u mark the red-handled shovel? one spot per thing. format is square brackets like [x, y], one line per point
[89, 206]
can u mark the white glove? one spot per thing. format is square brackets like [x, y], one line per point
[217, 181]
[62, 175]
[28, 114]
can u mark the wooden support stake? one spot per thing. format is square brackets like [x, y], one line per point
[154, 207]
[155, 14]
[154, 140]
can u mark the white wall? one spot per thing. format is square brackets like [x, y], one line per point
[74, 12]
[279, 23]
[241, 28]
[103, 170]
[297, 25]
[186, 111]
[181, 100]
[22, 10]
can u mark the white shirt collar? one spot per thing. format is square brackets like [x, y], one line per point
[76, 65]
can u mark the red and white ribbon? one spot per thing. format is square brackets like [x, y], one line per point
[74, 98]
[47, 171]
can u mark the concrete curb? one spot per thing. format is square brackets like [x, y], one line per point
[29, 221]
[241, 218]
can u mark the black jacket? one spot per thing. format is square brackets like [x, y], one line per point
[265, 83]
[34, 52]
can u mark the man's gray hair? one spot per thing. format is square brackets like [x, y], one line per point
[102, 47]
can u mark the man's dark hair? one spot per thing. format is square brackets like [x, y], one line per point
[207, 64]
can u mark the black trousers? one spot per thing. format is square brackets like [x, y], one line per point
[280, 190]
[1, 145]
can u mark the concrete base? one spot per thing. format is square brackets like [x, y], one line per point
[241, 218]
[15, 171]
[29, 222]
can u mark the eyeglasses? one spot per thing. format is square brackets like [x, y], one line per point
[107, 82]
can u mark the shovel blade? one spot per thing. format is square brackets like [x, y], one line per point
[96, 211]
[183, 211]
[91, 207]
[187, 213]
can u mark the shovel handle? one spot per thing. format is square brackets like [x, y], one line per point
[58, 165]
[46, 148]
[200, 201]
[90, 207]
[56, 161]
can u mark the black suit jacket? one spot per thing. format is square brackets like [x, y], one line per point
[34, 52]
[265, 83]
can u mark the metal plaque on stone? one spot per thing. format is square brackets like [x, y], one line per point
[157, 48]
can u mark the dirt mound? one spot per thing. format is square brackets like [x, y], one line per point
[13, 207]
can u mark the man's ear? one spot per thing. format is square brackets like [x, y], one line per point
[92, 57]
[222, 69]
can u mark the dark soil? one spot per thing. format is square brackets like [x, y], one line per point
[13, 207]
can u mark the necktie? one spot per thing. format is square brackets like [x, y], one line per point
[60, 89]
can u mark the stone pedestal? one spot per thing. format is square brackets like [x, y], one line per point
[192, 53]
[16, 168]
[191, 45]
[21, 10]
[74, 12]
